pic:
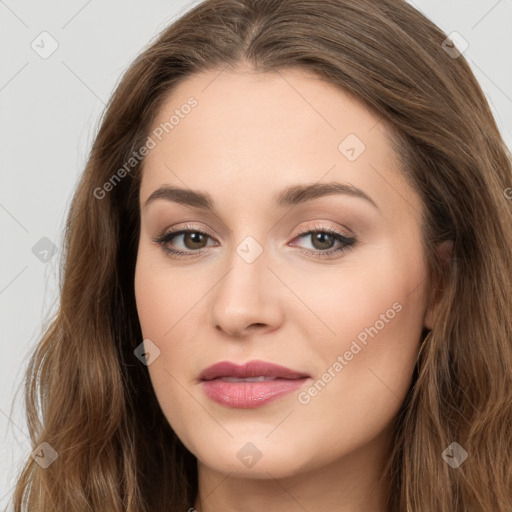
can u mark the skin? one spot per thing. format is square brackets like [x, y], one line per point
[250, 136]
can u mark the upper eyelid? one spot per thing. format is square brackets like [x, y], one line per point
[302, 231]
[180, 230]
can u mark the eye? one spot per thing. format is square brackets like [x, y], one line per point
[323, 240]
[193, 239]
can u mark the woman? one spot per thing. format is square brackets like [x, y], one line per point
[204, 358]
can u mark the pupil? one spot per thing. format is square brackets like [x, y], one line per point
[320, 237]
[194, 237]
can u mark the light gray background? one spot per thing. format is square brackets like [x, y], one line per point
[50, 111]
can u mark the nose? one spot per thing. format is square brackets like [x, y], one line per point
[248, 298]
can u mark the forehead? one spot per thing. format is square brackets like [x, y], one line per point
[244, 102]
[269, 130]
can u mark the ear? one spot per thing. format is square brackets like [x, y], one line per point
[444, 251]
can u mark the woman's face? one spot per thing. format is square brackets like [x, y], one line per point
[343, 306]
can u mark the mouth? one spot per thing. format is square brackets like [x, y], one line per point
[261, 378]
[249, 385]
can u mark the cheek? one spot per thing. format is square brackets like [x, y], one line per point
[162, 298]
[162, 305]
[171, 315]
[379, 295]
[375, 315]
[150, 296]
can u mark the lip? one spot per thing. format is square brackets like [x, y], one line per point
[254, 368]
[248, 395]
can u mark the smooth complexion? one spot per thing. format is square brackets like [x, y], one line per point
[251, 136]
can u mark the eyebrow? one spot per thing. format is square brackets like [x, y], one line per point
[290, 196]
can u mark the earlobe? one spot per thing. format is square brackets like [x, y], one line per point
[445, 253]
[445, 250]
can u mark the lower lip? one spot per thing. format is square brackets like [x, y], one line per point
[248, 395]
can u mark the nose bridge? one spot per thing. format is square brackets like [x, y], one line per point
[247, 262]
[242, 296]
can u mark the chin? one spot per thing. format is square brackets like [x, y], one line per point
[257, 457]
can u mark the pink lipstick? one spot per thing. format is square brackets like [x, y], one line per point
[250, 385]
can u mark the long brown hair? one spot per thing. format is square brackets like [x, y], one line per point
[91, 399]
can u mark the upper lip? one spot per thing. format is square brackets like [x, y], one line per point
[250, 369]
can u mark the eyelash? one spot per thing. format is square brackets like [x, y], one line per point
[163, 239]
